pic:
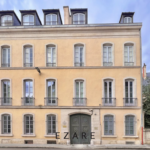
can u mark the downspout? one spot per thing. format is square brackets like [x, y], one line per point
[141, 90]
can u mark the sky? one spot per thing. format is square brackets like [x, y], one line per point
[99, 11]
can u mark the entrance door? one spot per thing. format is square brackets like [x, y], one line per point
[80, 129]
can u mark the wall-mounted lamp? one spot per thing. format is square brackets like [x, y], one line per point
[37, 68]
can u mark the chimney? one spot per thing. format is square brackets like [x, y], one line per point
[66, 15]
[144, 71]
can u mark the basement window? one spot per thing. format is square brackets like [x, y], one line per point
[51, 142]
[130, 142]
[28, 141]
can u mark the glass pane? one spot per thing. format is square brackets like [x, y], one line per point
[105, 88]
[104, 54]
[130, 54]
[54, 19]
[75, 19]
[77, 55]
[81, 89]
[109, 54]
[77, 89]
[49, 53]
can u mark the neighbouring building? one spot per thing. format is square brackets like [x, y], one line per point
[74, 77]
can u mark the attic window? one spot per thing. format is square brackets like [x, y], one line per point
[51, 19]
[127, 20]
[6, 20]
[79, 18]
[28, 20]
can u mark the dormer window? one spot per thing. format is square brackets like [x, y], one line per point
[28, 20]
[6, 20]
[79, 18]
[127, 20]
[51, 19]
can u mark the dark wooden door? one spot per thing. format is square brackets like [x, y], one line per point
[80, 129]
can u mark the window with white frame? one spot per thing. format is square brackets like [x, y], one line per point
[5, 100]
[127, 20]
[51, 55]
[108, 125]
[79, 55]
[51, 93]
[51, 19]
[51, 124]
[28, 56]
[128, 55]
[79, 18]
[5, 56]
[28, 20]
[6, 20]
[28, 124]
[130, 125]
[28, 98]
[6, 124]
[107, 55]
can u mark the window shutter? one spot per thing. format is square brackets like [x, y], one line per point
[31, 55]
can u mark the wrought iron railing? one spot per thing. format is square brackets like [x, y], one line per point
[78, 64]
[7, 23]
[6, 101]
[28, 64]
[109, 101]
[129, 63]
[28, 101]
[79, 101]
[5, 65]
[28, 23]
[51, 101]
[51, 22]
[107, 63]
[79, 22]
[50, 64]
[129, 102]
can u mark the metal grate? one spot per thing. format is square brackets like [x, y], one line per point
[28, 141]
[130, 142]
[51, 142]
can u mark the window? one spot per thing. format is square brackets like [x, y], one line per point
[28, 20]
[28, 124]
[51, 55]
[51, 124]
[128, 55]
[78, 54]
[51, 19]
[6, 20]
[51, 93]
[6, 124]
[6, 100]
[28, 56]
[129, 125]
[108, 125]
[28, 98]
[107, 55]
[127, 20]
[5, 56]
[79, 18]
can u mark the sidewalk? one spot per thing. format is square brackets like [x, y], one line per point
[110, 146]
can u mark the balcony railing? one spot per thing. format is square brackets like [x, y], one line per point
[6, 101]
[50, 64]
[28, 64]
[7, 23]
[109, 101]
[79, 22]
[28, 101]
[129, 63]
[129, 102]
[107, 63]
[51, 101]
[51, 22]
[78, 64]
[5, 65]
[79, 101]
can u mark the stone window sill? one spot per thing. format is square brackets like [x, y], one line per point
[109, 136]
[50, 135]
[30, 135]
[6, 135]
[130, 136]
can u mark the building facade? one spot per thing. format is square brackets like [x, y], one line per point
[80, 80]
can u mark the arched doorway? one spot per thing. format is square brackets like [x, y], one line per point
[80, 129]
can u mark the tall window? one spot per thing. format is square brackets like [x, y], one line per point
[51, 19]
[6, 100]
[108, 125]
[51, 124]
[28, 56]
[28, 93]
[28, 20]
[51, 93]
[28, 124]
[127, 20]
[130, 125]
[5, 56]
[78, 54]
[6, 124]
[51, 55]
[6, 20]
[128, 55]
[107, 55]
[79, 18]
